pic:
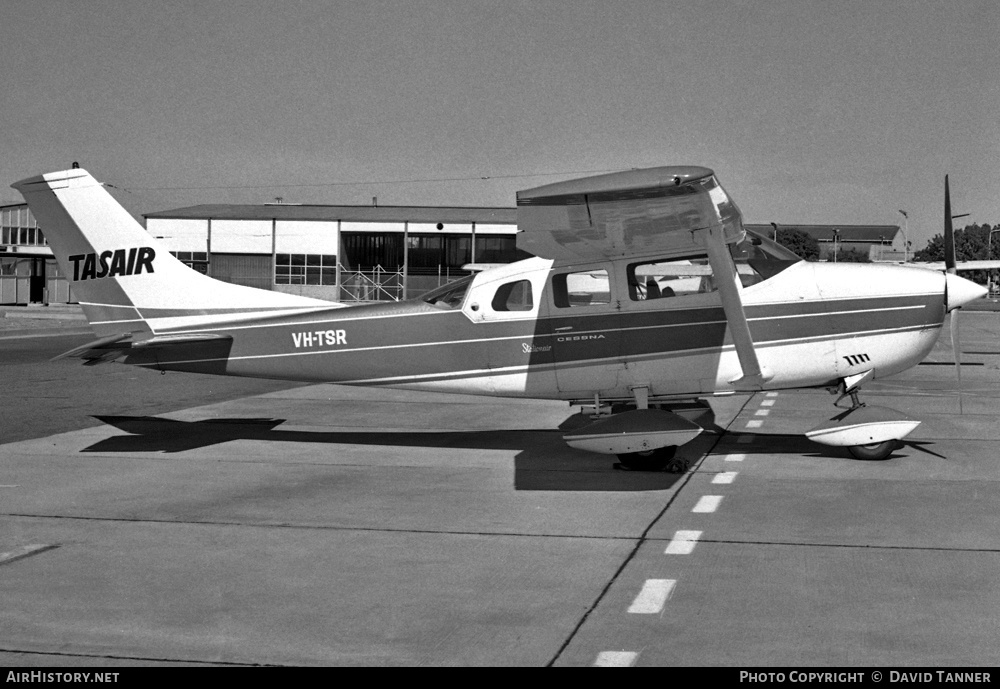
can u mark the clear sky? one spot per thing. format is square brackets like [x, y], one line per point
[810, 112]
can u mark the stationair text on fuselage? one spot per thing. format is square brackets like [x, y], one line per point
[110, 264]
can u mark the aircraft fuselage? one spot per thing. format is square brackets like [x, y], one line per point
[811, 324]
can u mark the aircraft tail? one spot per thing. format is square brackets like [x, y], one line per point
[125, 280]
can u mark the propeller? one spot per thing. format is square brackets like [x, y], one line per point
[949, 266]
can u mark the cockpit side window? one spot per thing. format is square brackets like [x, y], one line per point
[513, 296]
[449, 296]
[581, 289]
[670, 278]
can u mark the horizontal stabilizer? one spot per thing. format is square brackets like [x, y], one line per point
[112, 347]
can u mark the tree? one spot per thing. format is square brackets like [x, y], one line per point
[851, 255]
[972, 243]
[804, 245]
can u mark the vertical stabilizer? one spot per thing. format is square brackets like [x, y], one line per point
[124, 278]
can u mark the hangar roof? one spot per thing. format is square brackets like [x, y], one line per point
[459, 214]
[283, 211]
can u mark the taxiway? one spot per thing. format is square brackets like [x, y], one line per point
[184, 519]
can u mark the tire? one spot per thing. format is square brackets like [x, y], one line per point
[652, 460]
[873, 451]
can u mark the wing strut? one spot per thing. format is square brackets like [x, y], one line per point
[732, 304]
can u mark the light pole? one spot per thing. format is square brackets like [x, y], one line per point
[836, 238]
[906, 235]
[989, 254]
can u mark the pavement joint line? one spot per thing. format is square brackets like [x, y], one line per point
[25, 551]
[616, 659]
[48, 333]
[635, 550]
[683, 543]
[65, 654]
[858, 546]
[315, 527]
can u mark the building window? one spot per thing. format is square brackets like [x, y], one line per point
[196, 260]
[305, 269]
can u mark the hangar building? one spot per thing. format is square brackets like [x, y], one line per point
[339, 253]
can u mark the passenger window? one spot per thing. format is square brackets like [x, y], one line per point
[661, 279]
[586, 288]
[513, 296]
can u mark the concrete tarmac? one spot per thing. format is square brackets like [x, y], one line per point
[325, 525]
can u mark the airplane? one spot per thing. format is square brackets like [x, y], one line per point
[645, 292]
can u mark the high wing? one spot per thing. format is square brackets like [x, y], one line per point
[634, 213]
[672, 210]
[959, 265]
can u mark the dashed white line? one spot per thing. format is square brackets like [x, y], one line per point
[724, 477]
[770, 394]
[683, 543]
[652, 597]
[767, 403]
[756, 423]
[745, 439]
[615, 659]
[707, 503]
[762, 412]
[735, 457]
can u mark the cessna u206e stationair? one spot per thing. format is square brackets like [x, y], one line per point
[645, 290]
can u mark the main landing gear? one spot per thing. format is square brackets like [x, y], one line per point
[868, 433]
[654, 460]
[643, 438]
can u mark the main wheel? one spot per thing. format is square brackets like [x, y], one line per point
[873, 451]
[651, 460]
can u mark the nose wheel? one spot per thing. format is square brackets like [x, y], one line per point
[874, 451]
[868, 433]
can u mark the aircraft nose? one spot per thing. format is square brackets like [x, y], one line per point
[959, 291]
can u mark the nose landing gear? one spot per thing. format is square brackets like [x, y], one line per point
[868, 433]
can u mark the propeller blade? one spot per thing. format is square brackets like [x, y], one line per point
[949, 231]
[956, 350]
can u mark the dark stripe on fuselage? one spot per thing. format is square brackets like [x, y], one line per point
[429, 342]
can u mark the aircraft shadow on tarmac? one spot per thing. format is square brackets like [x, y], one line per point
[543, 460]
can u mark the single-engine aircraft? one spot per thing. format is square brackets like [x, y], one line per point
[645, 290]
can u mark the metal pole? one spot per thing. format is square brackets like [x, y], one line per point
[406, 257]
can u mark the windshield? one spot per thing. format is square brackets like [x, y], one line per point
[759, 258]
[449, 296]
